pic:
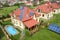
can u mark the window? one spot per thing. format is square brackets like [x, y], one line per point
[38, 10]
[43, 15]
[13, 17]
[54, 10]
[50, 6]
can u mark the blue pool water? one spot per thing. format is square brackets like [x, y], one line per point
[10, 30]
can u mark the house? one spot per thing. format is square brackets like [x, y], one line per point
[29, 2]
[47, 10]
[44, 10]
[11, 2]
[35, 2]
[55, 6]
[22, 1]
[55, 1]
[1, 5]
[45, 0]
[3, 1]
[23, 17]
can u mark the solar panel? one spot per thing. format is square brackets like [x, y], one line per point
[54, 28]
[21, 12]
[31, 13]
[20, 17]
[21, 7]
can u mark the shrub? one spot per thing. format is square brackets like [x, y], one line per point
[17, 4]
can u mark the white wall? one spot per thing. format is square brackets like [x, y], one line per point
[17, 23]
[50, 15]
[46, 16]
[59, 10]
[56, 11]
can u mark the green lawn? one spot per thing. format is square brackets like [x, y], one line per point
[56, 19]
[6, 10]
[43, 34]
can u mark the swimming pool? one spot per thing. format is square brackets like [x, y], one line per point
[11, 30]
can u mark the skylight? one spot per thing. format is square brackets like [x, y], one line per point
[20, 17]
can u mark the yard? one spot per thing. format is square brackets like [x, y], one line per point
[43, 34]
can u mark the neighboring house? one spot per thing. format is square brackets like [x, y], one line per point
[45, 0]
[35, 2]
[55, 6]
[47, 10]
[44, 10]
[56, 1]
[11, 2]
[3, 1]
[23, 17]
[1, 5]
[29, 2]
[22, 1]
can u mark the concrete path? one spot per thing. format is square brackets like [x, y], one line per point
[22, 36]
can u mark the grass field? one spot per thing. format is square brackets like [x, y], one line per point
[6, 10]
[43, 34]
[56, 19]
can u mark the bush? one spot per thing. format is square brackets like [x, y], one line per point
[35, 5]
[27, 33]
[17, 4]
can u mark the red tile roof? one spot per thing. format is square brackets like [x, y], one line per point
[54, 5]
[44, 8]
[30, 23]
[36, 14]
[25, 13]
[47, 7]
[27, 19]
